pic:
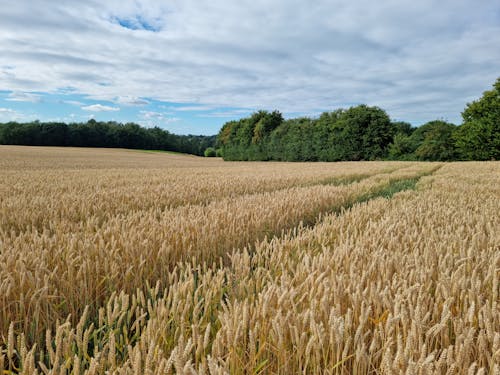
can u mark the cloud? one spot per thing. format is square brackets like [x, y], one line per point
[9, 114]
[192, 108]
[415, 59]
[100, 108]
[24, 97]
[74, 102]
[231, 113]
[154, 118]
[133, 101]
[151, 114]
[162, 116]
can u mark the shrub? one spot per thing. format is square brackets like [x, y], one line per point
[210, 152]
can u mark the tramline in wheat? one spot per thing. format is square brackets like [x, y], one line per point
[131, 263]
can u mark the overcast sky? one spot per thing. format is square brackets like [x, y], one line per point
[189, 66]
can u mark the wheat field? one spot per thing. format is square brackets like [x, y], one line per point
[130, 262]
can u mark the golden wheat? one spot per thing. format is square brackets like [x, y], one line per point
[281, 272]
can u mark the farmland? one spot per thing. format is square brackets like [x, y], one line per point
[129, 262]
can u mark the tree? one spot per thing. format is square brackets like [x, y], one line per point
[102, 134]
[265, 123]
[402, 127]
[362, 133]
[402, 147]
[326, 133]
[358, 133]
[377, 135]
[249, 138]
[479, 136]
[437, 143]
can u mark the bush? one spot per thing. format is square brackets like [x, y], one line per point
[210, 152]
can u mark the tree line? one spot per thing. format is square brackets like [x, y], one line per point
[357, 133]
[365, 133]
[102, 134]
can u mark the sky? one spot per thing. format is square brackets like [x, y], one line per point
[189, 66]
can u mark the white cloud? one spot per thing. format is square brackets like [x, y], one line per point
[74, 102]
[24, 97]
[7, 111]
[170, 120]
[130, 100]
[192, 108]
[100, 108]
[9, 114]
[163, 116]
[232, 113]
[414, 59]
[151, 114]
[154, 118]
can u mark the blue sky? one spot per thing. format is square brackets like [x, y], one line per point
[65, 106]
[189, 66]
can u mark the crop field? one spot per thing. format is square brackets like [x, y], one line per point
[131, 262]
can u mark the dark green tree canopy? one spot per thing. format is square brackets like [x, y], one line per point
[358, 133]
[436, 142]
[102, 134]
[479, 136]
[403, 127]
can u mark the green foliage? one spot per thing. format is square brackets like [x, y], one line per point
[437, 143]
[402, 147]
[371, 128]
[102, 134]
[359, 133]
[210, 152]
[402, 127]
[432, 141]
[479, 136]
[248, 138]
